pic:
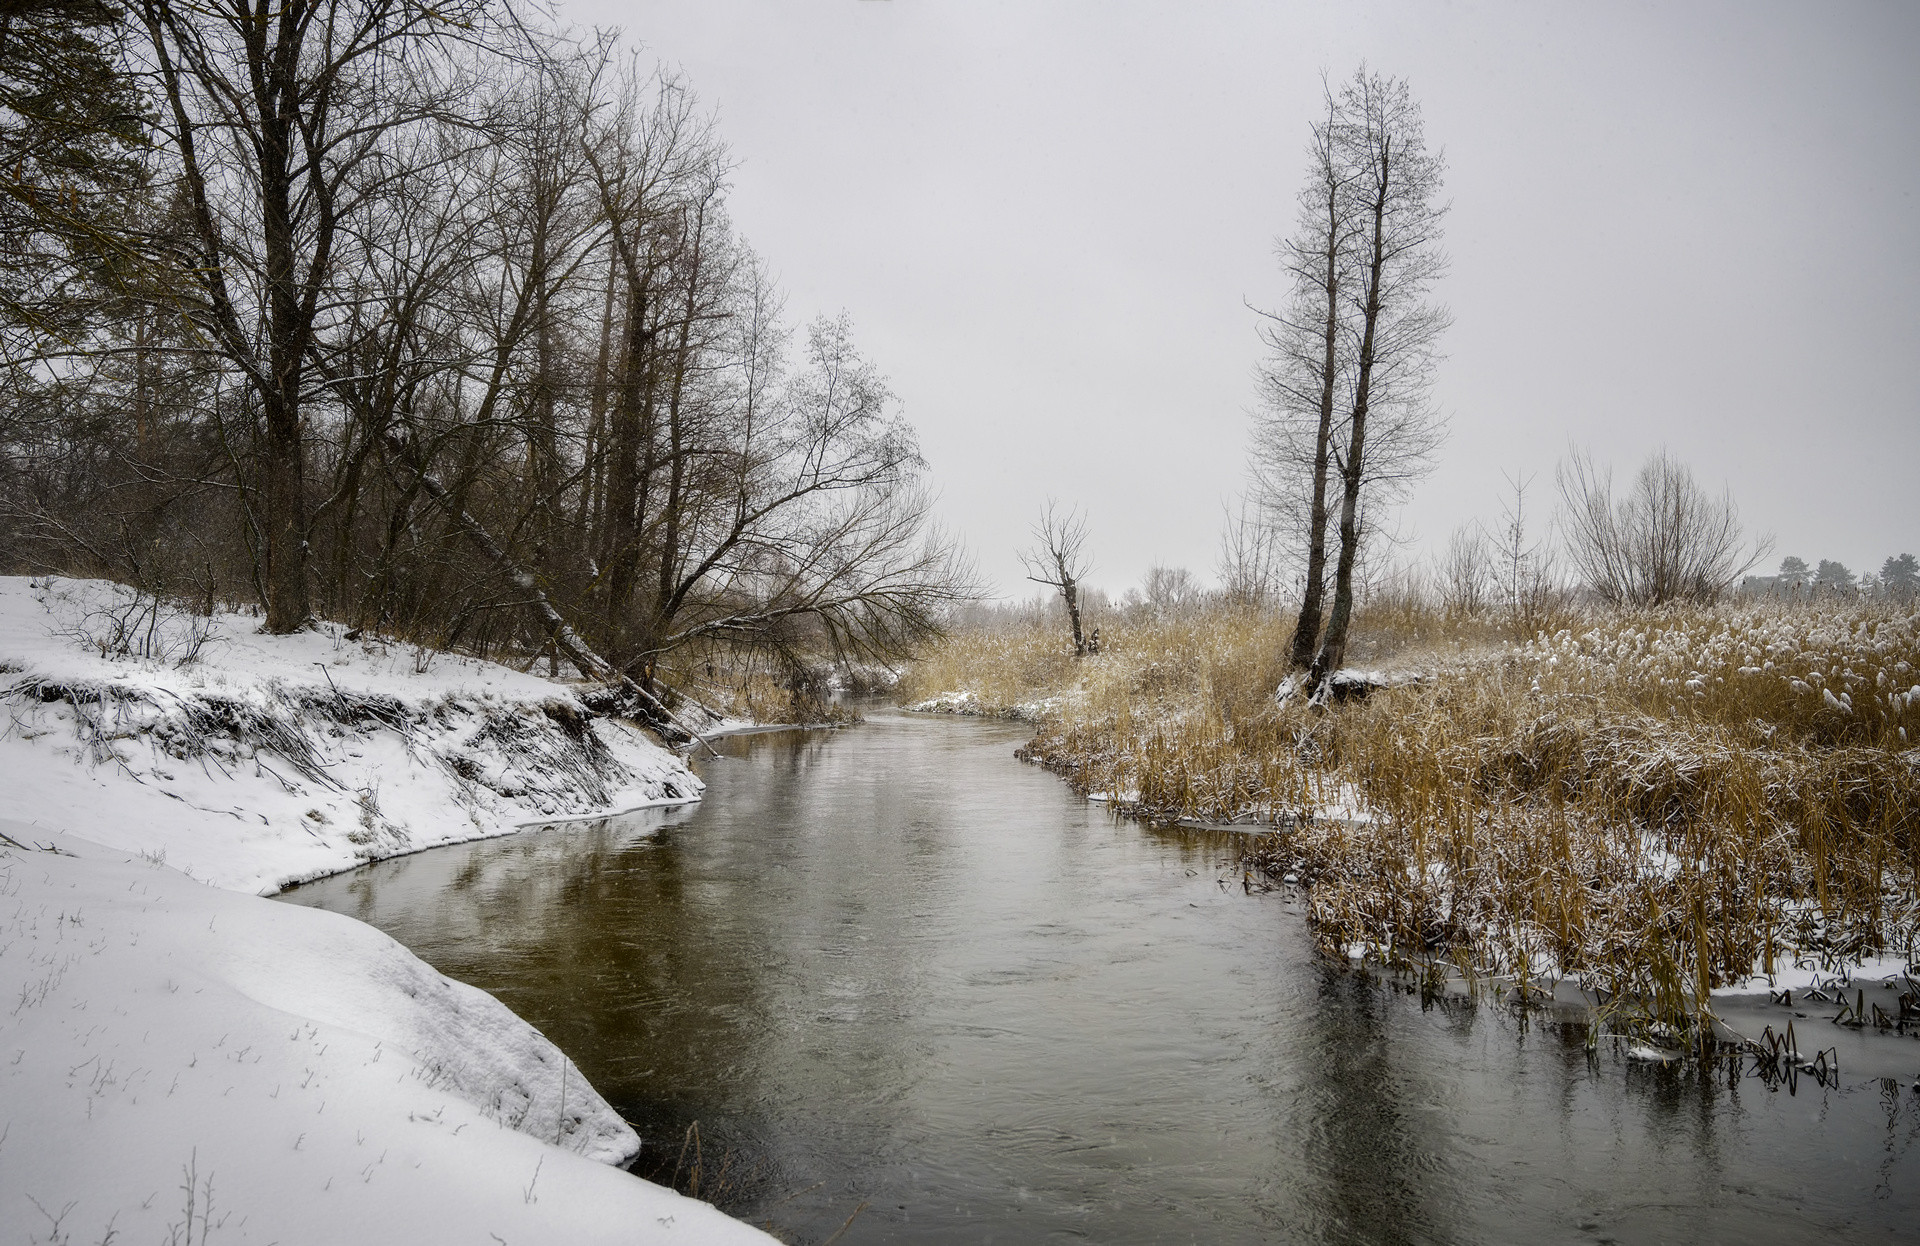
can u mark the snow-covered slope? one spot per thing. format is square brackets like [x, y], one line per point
[266, 760]
[180, 1063]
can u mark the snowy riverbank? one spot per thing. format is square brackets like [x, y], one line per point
[269, 760]
[183, 1061]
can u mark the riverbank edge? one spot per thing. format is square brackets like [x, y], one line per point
[99, 785]
[1869, 1052]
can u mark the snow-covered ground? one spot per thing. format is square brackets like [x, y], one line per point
[185, 1062]
[969, 705]
[305, 1075]
[269, 760]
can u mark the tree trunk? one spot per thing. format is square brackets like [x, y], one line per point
[632, 699]
[1333, 649]
[628, 435]
[671, 510]
[1306, 632]
[282, 449]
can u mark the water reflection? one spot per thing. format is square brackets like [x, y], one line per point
[892, 966]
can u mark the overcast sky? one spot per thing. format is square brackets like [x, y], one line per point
[1684, 225]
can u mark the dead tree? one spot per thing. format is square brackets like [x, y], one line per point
[1059, 560]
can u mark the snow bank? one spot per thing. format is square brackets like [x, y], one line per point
[268, 760]
[969, 705]
[182, 1063]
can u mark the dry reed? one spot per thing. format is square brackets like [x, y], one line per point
[1657, 802]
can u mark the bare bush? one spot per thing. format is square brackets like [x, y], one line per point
[1666, 540]
[133, 623]
[1250, 557]
[1466, 572]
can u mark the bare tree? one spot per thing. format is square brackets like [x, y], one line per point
[1058, 559]
[275, 126]
[1170, 590]
[1308, 357]
[1666, 540]
[1394, 219]
[1466, 573]
[1249, 566]
[1524, 566]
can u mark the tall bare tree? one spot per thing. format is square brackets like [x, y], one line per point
[1303, 375]
[1390, 204]
[1345, 424]
[274, 121]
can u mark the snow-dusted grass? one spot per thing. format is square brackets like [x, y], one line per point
[184, 1062]
[991, 672]
[268, 760]
[1658, 802]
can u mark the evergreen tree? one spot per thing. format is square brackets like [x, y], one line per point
[1900, 577]
[1833, 577]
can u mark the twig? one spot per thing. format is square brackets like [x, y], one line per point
[849, 1224]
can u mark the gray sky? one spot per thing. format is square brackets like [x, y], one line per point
[1692, 226]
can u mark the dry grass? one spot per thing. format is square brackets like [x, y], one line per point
[728, 684]
[1658, 802]
[1003, 667]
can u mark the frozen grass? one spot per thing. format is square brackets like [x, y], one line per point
[1657, 802]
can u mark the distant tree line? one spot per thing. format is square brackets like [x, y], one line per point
[432, 321]
[1899, 580]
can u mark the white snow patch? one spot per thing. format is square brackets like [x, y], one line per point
[310, 1077]
[968, 704]
[1799, 977]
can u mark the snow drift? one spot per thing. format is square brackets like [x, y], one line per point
[184, 1063]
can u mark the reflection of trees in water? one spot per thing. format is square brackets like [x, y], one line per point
[1371, 1149]
[699, 963]
[1902, 1137]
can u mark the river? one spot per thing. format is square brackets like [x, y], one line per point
[897, 976]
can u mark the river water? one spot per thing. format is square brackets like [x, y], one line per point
[893, 974]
